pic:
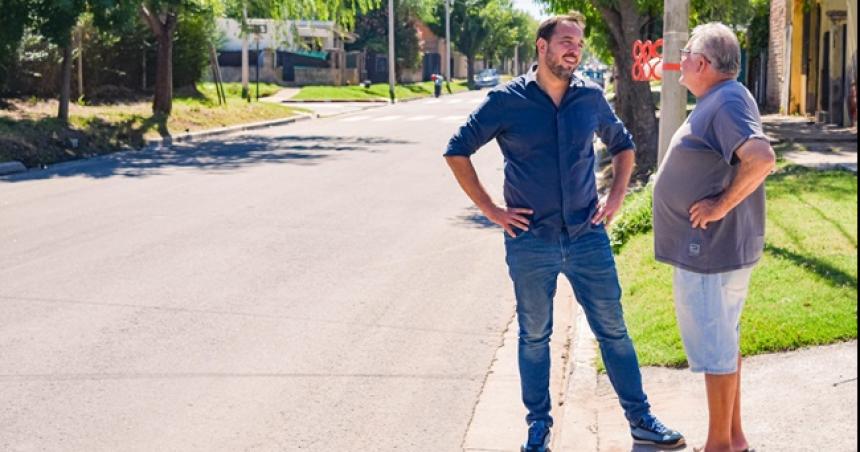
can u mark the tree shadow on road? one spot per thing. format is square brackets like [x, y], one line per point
[216, 155]
[473, 218]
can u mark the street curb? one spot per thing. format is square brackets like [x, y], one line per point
[12, 167]
[192, 136]
[578, 429]
[334, 101]
[152, 144]
[497, 417]
[369, 101]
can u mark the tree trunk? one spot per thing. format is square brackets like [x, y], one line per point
[633, 101]
[163, 26]
[65, 84]
[470, 71]
[163, 101]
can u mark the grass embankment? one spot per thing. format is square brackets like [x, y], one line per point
[376, 91]
[803, 291]
[30, 133]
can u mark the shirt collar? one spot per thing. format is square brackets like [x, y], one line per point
[531, 77]
[716, 87]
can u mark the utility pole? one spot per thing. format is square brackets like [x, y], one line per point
[448, 40]
[246, 94]
[80, 61]
[391, 73]
[257, 70]
[516, 61]
[673, 96]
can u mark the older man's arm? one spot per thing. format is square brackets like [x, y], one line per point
[757, 161]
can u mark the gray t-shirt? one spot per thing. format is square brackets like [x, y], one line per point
[700, 163]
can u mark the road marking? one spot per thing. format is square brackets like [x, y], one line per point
[354, 118]
[476, 101]
[432, 101]
[453, 118]
[420, 117]
[454, 101]
[387, 118]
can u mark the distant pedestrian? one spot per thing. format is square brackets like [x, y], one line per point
[709, 214]
[544, 122]
[438, 79]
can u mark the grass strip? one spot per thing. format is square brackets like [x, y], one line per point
[802, 293]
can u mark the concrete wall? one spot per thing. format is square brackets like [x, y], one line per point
[324, 76]
[411, 75]
[269, 73]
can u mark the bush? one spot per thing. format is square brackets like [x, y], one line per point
[634, 218]
[191, 46]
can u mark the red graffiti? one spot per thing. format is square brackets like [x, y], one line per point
[647, 59]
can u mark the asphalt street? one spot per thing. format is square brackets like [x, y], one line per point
[320, 286]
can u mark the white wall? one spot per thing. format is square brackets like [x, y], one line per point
[279, 34]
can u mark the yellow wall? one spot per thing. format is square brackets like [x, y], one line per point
[797, 81]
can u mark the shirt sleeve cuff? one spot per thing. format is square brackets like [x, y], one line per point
[623, 146]
[453, 150]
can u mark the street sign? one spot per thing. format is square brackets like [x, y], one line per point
[257, 29]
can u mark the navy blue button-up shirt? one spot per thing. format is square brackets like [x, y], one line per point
[548, 150]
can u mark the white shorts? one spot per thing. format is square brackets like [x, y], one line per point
[708, 308]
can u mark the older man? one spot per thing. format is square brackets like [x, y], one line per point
[709, 213]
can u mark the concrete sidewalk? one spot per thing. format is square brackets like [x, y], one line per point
[803, 400]
[811, 144]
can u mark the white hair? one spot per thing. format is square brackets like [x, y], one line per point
[720, 44]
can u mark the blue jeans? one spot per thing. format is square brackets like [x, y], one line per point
[586, 260]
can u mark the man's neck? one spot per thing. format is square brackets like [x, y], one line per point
[551, 84]
[704, 90]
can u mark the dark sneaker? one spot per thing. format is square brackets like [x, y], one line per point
[539, 436]
[649, 430]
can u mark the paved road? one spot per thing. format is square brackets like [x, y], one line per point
[319, 286]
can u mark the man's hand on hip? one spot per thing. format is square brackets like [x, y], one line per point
[706, 211]
[509, 218]
[607, 209]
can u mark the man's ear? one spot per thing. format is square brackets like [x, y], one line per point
[541, 44]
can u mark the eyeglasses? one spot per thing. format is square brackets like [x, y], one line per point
[687, 52]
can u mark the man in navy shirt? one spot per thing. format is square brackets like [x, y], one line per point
[544, 123]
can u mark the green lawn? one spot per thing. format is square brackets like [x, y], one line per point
[803, 292]
[376, 91]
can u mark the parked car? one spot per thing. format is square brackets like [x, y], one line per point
[487, 78]
[594, 75]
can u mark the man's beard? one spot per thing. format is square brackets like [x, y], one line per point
[559, 70]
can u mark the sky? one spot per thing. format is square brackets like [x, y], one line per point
[531, 7]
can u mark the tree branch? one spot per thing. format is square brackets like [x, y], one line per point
[154, 24]
[613, 21]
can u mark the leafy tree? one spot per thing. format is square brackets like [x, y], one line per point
[194, 33]
[372, 30]
[613, 26]
[525, 29]
[56, 19]
[468, 29]
[498, 19]
[13, 21]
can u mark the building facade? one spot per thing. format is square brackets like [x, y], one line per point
[812, 60]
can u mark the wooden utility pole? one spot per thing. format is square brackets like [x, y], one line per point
[673, 96]
[80, 61]
[391, 74]
[246, 93]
